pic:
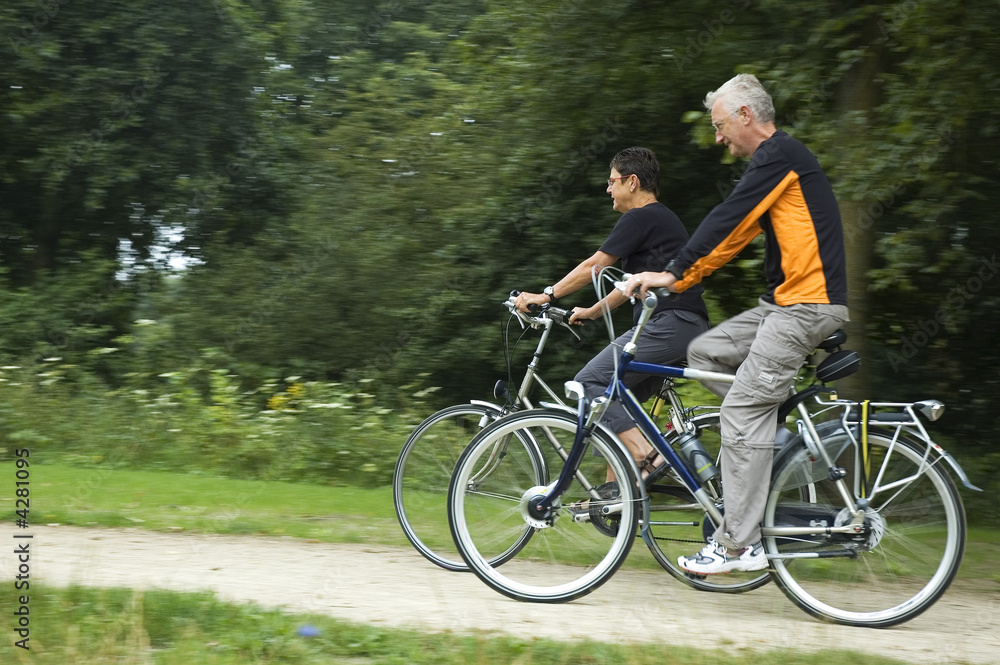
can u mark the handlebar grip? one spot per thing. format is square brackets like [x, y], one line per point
[559, 315]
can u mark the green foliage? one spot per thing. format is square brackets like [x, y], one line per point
[201, 419]
[356, 189]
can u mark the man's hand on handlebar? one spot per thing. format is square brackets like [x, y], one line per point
[641, 283]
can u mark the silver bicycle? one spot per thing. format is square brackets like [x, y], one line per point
[427, 459]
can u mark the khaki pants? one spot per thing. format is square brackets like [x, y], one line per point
[764, 347]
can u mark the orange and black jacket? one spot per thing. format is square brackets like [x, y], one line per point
[784, 194]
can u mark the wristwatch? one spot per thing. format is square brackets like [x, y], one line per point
[551, 294]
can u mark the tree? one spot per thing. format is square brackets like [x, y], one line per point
[124, 119]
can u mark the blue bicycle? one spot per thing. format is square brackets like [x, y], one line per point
[863, 525]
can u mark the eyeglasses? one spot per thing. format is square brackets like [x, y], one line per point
[611, 181]
[717, 126]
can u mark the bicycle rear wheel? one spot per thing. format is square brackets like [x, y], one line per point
[679, 526]
[565, 557]
[423, 472]
[911, 545]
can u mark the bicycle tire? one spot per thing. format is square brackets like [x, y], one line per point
[422, 475]
[903, 563]
[679, 526]
[558, 562]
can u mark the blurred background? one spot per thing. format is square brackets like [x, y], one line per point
[267, 238]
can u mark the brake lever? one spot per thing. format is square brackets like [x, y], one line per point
[571, 328]
[515, 312]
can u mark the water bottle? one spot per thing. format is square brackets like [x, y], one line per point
[697, 458]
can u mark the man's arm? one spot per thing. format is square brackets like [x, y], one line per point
[732, 224]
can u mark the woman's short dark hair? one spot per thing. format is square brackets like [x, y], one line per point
[641, 162]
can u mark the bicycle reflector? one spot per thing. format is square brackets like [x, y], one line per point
[931, 408]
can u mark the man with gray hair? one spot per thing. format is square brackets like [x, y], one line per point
[785, 195]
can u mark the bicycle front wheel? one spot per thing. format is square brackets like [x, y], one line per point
[566, 555]
[423, 472]
[910, 545]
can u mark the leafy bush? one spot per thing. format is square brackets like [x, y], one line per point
[200, 419]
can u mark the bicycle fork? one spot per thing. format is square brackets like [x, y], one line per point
[541, 506]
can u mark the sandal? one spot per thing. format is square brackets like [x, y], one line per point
[648, 466]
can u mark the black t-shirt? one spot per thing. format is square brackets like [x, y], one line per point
[647, 238]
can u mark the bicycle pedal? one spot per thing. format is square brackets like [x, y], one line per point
[578, 512]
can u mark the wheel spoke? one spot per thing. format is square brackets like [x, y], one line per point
[908, 554]
[551, 559]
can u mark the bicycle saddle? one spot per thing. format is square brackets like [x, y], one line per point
[835, 340]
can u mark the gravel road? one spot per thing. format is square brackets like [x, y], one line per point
[396, 587]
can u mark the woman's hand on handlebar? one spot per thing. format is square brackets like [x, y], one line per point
[525, 300]
[639, 284]
[581, 315]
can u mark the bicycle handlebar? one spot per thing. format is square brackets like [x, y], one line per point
[538, 313]
[657, 292]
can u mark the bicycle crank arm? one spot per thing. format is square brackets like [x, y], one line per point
[847, 529]
[611, 509]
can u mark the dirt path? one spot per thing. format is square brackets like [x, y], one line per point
[396, 587]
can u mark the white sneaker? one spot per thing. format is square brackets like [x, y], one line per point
[714, 559]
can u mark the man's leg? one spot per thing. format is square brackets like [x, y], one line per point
[725, 347]
[749, 411]
[749, 421]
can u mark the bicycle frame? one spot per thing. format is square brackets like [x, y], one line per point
[531, 376]
[641, 418]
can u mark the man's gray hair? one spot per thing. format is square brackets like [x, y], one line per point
[743, 90]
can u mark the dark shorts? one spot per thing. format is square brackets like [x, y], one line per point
[664, 341]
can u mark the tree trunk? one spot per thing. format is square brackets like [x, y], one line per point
[857, 98]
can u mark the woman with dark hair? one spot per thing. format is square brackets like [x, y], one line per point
[645, 237]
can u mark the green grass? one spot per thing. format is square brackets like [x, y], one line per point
[165, 501]
[982, 551]
[77, 626]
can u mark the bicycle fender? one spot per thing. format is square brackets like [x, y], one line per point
[955, 467]
[489, 405]
[797, 441]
